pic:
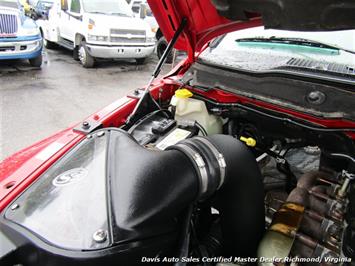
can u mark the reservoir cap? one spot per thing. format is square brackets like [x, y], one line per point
[183, 93]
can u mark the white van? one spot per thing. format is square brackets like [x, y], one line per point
[97, 29]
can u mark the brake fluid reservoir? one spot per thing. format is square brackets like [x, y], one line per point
[187, 108]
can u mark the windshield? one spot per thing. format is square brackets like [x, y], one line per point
[114, 7]
[260, 49]
[9, 3]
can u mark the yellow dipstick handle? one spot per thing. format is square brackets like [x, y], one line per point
[248, 141]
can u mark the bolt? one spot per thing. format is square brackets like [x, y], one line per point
[101, 134]
[333, 229]
[280, 160]
[337, 214]
[100, 236]
[334, 233]
[343, 189]
[313, 96]
[15, 207]
[330, 255]
[86, 125]
[333, 240]
[316, 97]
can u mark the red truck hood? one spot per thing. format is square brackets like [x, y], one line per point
[210, 18]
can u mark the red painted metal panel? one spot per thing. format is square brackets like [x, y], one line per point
[204, 22]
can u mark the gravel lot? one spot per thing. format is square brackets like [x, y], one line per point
[37, 103]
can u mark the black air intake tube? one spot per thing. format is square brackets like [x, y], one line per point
[151, 188]
[241, 199]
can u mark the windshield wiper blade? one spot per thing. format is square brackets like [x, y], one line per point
[118, 14]
[110, 13]
[97, 12]
[295, 41]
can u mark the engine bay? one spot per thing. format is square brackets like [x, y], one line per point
[198, 181]
[309, 206]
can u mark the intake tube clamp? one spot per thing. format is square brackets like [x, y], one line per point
[208, 162]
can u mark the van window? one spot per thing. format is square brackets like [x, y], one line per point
[75, 6]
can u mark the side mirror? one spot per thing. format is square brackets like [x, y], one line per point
[77, 16]
[143, 11]
[64, 5]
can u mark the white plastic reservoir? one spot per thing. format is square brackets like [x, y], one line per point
[190, 109]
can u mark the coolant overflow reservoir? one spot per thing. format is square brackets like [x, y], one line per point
[188, 108]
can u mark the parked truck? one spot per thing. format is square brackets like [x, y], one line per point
[93, 30]
[40, 9]
[20, 37]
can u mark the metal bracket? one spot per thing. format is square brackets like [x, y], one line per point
[88, 126]
[136, 94]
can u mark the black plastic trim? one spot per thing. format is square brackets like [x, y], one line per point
[302, 15]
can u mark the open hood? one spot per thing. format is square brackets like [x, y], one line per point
[210, 18]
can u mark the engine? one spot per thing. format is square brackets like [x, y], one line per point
[308, 191]
[198, 182]
[308, 225]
